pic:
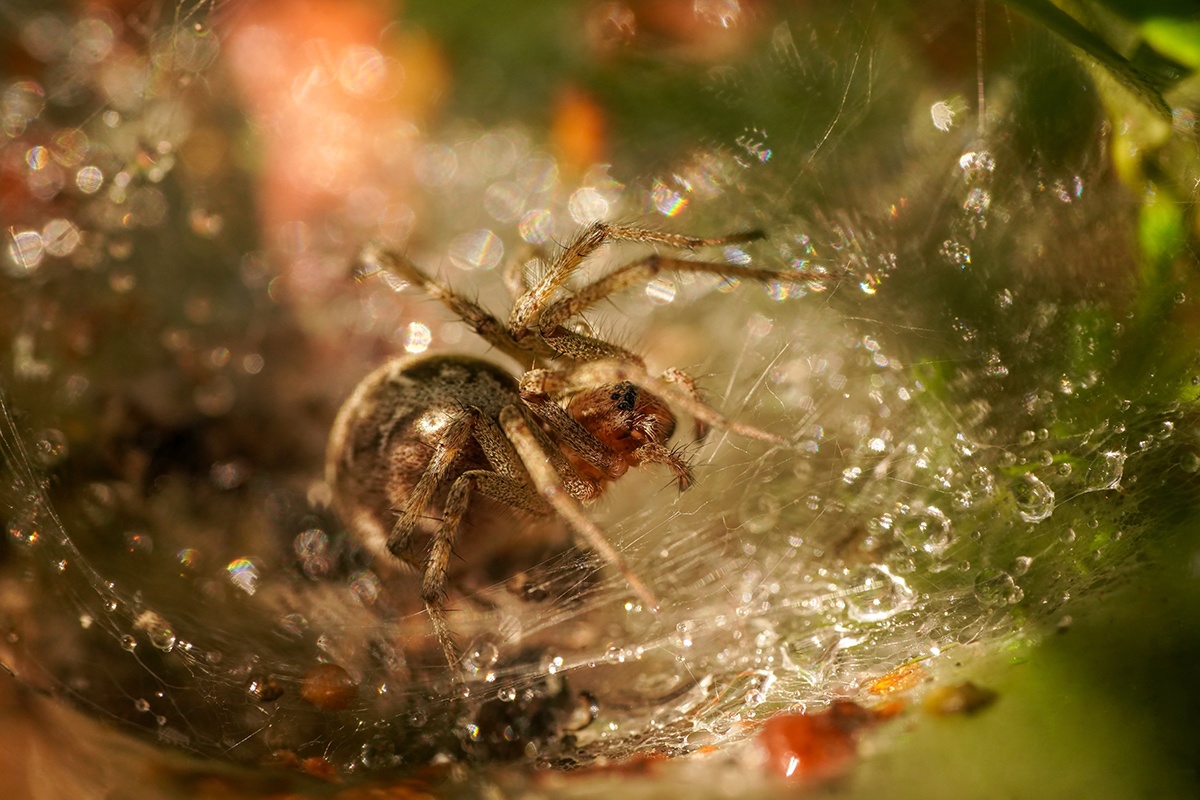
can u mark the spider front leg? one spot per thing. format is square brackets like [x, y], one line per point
[547, 477]
[529, 307]
[516, 270]
[474, 315]
[645, 270]
[688, 383]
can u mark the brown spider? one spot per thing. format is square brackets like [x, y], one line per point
[421, 434]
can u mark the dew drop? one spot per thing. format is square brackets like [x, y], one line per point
[927, 529]
[1035, 500]
[61, 237]
[876, 594]
[89, 179]
[128, 643]
[587, 205]
[23, 531]
[995, 588]
[25, 252]
[481, 656]
[157, 629]
[479, 249]
[1106, 471]
[760, 513]
[243, 574]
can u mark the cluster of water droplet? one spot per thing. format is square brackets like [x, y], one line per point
[917, 507]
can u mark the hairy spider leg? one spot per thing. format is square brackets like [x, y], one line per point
[644, 270]
[503, 483]
[526, 310]
[538, 461]
[516, 269]
[437, 565]
[688, 384]
[483, 323]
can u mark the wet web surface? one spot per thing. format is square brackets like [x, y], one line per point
[972, 442]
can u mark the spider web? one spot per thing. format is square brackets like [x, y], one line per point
[966, 455]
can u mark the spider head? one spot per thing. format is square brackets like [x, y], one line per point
[623, 417]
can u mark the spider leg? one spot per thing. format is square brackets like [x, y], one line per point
[629, 233]
[527, 309]
[651, 453]
[505, 489]
[688, 383]
[412, 505]
[590, 448]
[600, 373]
[483, 323]
[640, 272]
[581, 347]
[516, 270]
[504, 483]
[539, 462]
[568, 429]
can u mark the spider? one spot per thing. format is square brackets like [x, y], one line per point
[426, 441]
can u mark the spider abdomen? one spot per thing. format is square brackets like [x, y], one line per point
[387, 432]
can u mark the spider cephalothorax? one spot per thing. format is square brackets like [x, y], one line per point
[425, 442]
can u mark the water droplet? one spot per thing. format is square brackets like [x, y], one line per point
[926, 529]
[128, 643]
[876, 594]
[478, 249]
[417, 338]
[366, 587]
[481, 656]
[1190, 462]
[61, 237]
[995, 588]
[379, 753]
[1035, 500]
[25, 252]
[661, 290]
[587, 205]
[89, 179]
[243, 574]
[24, 531]
[760, 512]
[1021, 565]
[956, 253]
[157, 629]
[1106, 471]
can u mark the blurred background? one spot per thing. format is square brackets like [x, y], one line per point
[972, 571]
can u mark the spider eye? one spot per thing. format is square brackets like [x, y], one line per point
[625, 396]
